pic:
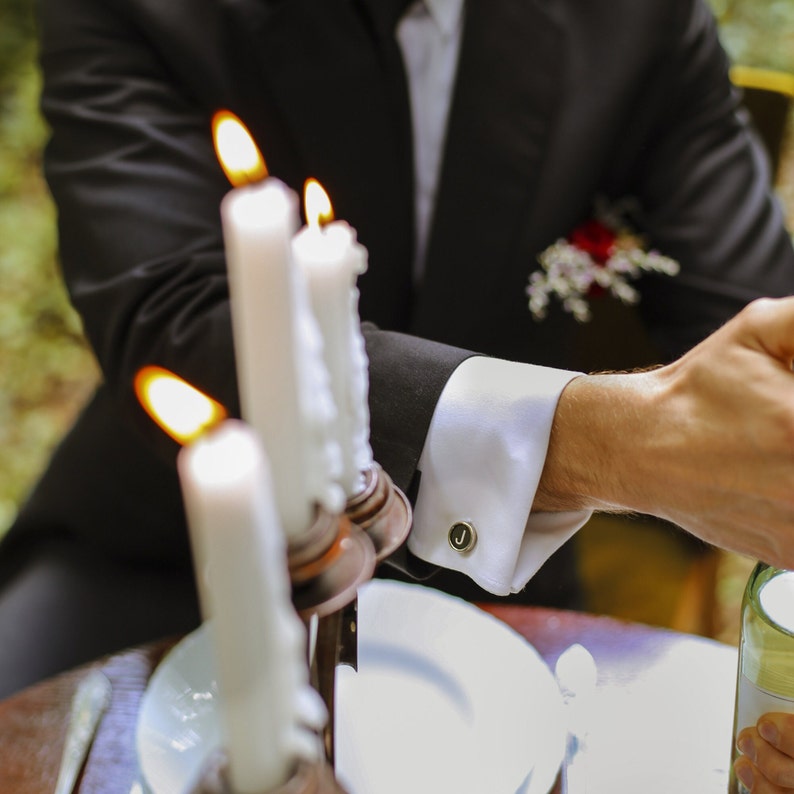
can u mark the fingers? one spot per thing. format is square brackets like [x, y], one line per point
[778, 730]
[771, 322]
[767, 767]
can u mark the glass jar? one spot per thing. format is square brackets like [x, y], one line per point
[765, 679]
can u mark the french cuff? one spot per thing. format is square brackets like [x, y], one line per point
[481, 465]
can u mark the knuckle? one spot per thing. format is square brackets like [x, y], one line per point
[759, 307]
[759, 312]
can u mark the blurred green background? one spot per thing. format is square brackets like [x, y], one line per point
[45, 366]
[47, 370]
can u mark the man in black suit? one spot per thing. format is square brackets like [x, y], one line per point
[552, 104]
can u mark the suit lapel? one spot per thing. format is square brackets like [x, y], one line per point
[509, 77]
[329, 103]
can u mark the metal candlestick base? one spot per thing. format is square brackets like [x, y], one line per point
[328, 565]
[332, 559]
[382, 510]
[325, 581]
[311, 779]
[317, 778]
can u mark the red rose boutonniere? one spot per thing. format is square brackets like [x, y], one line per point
[599, 256]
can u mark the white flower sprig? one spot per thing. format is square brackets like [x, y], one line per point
[595, 259]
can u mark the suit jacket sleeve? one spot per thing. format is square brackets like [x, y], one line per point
[703, 183]
[138, 188]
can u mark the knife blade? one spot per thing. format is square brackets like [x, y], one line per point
[348, 635]
[89, 703]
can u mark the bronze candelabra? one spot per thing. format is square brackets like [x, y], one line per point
[333, 560]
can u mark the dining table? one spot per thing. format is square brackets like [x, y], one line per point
[661, 716]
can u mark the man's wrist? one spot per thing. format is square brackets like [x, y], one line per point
[600, 443]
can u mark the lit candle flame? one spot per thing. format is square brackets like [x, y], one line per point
[241, 160]
[317, 205]
[179, 408]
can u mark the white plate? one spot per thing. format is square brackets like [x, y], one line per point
[446, 698]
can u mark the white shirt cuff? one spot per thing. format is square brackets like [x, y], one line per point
[481, 464]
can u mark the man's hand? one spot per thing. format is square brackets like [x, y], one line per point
[706, 442]
[766, 765]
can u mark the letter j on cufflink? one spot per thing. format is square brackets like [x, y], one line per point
[462, 537]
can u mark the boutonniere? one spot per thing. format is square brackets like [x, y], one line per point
[600, 256]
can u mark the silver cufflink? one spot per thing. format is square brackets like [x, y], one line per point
[462, 537]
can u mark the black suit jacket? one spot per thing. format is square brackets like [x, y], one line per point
[556, 102]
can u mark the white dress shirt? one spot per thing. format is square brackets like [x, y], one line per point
[486, 446]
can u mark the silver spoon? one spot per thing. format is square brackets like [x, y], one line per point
[88, 705]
